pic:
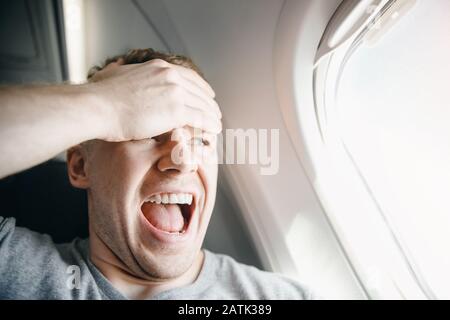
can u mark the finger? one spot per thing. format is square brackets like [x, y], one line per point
[193, 76]
[196, 92]
[173, 77]
[207, 105]
[201, 120]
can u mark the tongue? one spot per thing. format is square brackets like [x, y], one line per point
[166, 217]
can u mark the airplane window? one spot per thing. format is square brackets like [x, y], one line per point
[393, 115]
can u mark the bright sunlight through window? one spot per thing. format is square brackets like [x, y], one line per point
[394, 115]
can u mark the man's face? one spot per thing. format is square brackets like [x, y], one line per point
[126, 182]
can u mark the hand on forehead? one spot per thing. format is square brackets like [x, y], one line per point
[158, 97]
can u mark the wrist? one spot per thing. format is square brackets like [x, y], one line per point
[98, 110]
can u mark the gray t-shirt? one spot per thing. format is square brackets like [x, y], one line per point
[33, 267]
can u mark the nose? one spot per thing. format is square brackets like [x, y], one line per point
[178, 157]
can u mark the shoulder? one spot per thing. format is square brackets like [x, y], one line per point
[6, 224]
[21, 242]
[249, 282]
[34, 267]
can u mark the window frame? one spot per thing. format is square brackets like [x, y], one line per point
[381, 263]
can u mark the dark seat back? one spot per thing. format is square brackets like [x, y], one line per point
[43, 200]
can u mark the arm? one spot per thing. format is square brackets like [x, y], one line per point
[38, 122]
[127, 102]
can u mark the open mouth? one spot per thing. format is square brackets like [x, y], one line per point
[169, 212]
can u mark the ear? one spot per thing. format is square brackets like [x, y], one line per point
[76, 167]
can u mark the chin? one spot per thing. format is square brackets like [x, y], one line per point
[167, 266]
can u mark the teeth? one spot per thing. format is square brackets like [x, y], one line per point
[171, 198]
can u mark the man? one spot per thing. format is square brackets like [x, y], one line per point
[148, 212]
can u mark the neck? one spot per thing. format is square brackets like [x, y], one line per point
[126, 282]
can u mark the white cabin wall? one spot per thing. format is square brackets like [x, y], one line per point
[113, 27]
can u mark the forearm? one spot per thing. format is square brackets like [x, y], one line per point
[38, 122]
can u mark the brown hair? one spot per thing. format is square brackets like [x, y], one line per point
[142, 55]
